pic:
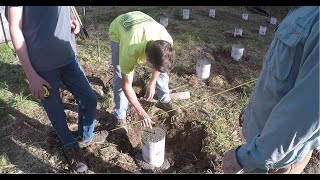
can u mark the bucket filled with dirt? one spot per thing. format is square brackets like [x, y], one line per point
[153, 146]
[237, 52]
[245, 16]
[263, 30]
[203, 69]
[212, 13]
[164, 21]
[237, 32]
[185, 13]
[273, 20]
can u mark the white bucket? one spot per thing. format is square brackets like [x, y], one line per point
[212, 13]
[237, 32]
[203, 69]
[273, 21]
[83, 11]
[164, 21]
[263, 30]
[245, 16]
[153, 152]
[237, 52]
[185, 13]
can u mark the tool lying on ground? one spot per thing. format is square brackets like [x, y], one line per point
[83, 30]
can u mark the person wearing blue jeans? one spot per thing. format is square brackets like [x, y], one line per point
[74, 79]
[121, 105]
[136, 38]
[281, 123]
[43, 38]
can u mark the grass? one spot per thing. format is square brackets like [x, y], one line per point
[190, 39]
[5, 165]
[13, 87]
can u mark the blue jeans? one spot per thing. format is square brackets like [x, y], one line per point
[73, 77]
[121, 101]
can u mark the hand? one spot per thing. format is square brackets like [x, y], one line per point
[150, 91]
[230, 163]
[241, 117]
[36, 86]
[147, 122]
[75, 26]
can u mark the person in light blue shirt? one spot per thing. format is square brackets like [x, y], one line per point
[281, 122]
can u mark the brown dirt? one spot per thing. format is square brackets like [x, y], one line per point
[153, 135]
[238, 39]
[185, 133]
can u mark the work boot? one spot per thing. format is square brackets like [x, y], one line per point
[169, 107]
[77, 160]
[122, 125]
[98, 138]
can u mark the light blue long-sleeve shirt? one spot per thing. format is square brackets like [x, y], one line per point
[281, 122]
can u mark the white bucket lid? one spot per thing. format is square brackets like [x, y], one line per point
[237, 46]
[203, 62]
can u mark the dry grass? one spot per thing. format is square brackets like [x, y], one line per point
[207, 128]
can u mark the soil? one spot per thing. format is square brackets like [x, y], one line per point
[153, 135]
[185, 133]
[146, 167]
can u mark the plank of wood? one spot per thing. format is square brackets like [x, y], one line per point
[180, 95]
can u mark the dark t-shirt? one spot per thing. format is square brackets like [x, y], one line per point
[48, 36]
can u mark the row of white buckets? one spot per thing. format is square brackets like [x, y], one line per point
[203, 65]
[212, 13]
[186, 13]
[273, 20]
[238, 31]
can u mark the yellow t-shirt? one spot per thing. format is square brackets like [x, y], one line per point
[132, 31]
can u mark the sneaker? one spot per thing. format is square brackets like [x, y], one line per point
[169, 106]
[76, 160]
[122, 125]
[98, 138]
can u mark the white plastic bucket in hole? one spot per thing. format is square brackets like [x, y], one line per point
[153, 152]
[245, 16]
[273, 20]
[212, 13]
[185, 13]
[164, 21]
[203, 69]
[237, 52]
[237, 32]
[263, 30]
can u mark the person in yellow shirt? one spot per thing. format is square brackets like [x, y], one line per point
[137, 38]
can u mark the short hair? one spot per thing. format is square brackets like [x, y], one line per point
[161, 55]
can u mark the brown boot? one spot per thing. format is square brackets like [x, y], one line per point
[169, 107]
[77, 160]
[98, 138]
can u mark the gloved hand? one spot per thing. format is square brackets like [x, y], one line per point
[230, 163]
